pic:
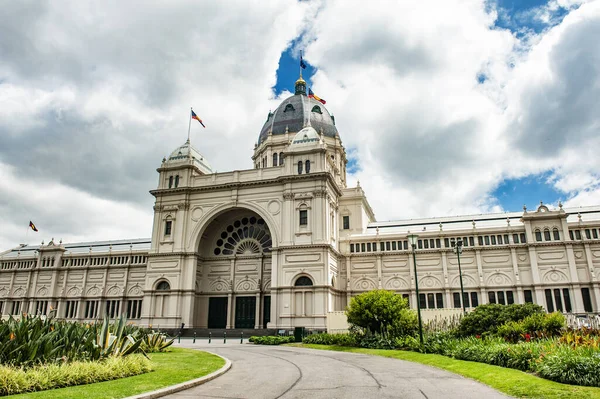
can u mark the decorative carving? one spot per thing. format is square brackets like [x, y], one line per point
[554, 276]
[219, 285]
[499, 278]
[3, 292]
[93, 291]
[74, 291]
[365, 284]
[114, 291]
[273, 207]
[136, 290]
[430, 282]
[288, 196]
[246, 285]
[396, 283]
[42, 291]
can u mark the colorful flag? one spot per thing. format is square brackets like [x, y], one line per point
[194, 116]
[302, 63]
[32, 226]
[313, 95]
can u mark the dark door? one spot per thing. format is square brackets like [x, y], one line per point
[266, 310]
[217, 312]
[245, 311]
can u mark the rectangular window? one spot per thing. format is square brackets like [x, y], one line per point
[515, 238]
[474, 300]
[70, 309]
[16, 307]
[368, 247]
[430, 301]
[452, 243]
[456, 297]
[303, 217]
[420, 244]
[387, 246]
[523, 239]
[588, 234]
[422, 301]
[549, 301]
[405, 244]
[439, 300]
[480, 240]
[567, 298]
[112, 308]
[501, 300]
[168, 225]
[362, 247]
[587, 300]
[438, 243]
[446, 243]
[91, 309]
[492, 297]
[407, 297]
[471, 241]
[557, 234]
[499, 240]
[41, 307]
[393, 245]
[346, 222]
[571, 235]
[487, 240]
[510, 298]
[559, 306]
[595, 233]
[426, 244]
[134, 309]
[578, 234]
[432, 243]
[1, 307]
[505, 239]
[351, 248]
[466, 299]
[374, 246]
[528, 296]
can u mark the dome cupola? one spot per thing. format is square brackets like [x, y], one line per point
[186, 154]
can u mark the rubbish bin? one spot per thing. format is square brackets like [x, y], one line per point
[298, 334]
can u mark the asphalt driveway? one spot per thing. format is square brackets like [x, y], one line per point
[270, 372]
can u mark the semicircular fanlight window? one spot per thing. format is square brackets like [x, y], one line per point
[249, 236]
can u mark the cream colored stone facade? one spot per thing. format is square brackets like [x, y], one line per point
[286, 243]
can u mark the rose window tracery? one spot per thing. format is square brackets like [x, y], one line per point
[245, 236]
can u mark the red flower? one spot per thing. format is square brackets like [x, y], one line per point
[478, 336]
[527, 337]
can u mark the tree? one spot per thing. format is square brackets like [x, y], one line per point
[380, 310]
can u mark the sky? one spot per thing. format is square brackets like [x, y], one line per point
[445, 107]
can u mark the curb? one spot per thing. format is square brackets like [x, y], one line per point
[187, 384]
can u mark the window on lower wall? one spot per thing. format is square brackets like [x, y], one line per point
[112, 308]
[407, 297]
[351, 248]
[559, 299]
[1, 307]
[16, 307]
[501, 297]
[168, 225]
[346, 222]
[431, 300]
[470, 298]
[134, 309]
[303, 217]
[528, 296]
[91, 309]
[587, 300]
[70, 309]
[41, 307]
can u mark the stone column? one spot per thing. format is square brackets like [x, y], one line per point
[229, 311]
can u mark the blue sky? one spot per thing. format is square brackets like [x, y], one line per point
[518, 16]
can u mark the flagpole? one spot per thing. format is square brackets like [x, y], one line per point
[189, 124]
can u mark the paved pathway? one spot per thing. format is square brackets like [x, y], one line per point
[272, 372]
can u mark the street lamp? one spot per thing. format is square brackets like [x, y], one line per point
[458, 251]
[412, 238]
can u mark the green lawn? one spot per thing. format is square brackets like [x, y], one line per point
[170, 368]
[509, 381]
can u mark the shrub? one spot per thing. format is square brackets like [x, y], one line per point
[378, 310]
[332, 339]
[554, 323]
[271, 340]
[376, 340]
[156, 342]
[512, 331]
[485, 319]
[569, 366]
[15, 380]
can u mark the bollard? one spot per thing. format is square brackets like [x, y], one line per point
[242, 338]
[225, 337]
[194, 337]
[209, 337]
[178, 338]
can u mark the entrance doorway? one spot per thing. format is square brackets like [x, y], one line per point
[217, 312]
[266, 310]
[245, 311]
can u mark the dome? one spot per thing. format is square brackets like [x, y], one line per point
[295, 113]
[306, 135]
[187, 152]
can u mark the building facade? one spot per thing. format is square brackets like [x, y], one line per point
[286, 243]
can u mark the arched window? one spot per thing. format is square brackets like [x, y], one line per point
[303, 281]
[163, 286]
[170, 181]
[281, 158]
[299, 167]
[547, 235]
[275, 159]
[168, 227]
[176, 181]
[556, 234]
[538, 235]
[316, 109]
[289, 107]
[307, 167]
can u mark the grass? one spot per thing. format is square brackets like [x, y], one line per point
[170, 368]
[509, 381]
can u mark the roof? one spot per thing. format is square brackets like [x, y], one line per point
[295, 113]
[186, 152]
[79, 248]
[465, 222]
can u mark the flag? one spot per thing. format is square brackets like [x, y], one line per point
[313, 95]
[32, 226]
[194, 116]
[302, 63]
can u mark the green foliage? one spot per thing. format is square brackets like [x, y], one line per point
[485, 319]
[15, 380]
[30, 341]
[534, 326]
[554, 323]
[579, 366]
[511, 331]
[378, 310]
[155, 342]
[331, 339]
[272, 340]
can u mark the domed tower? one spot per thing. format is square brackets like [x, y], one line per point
[181, 166]
[294, 114]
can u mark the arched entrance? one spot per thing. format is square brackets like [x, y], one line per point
[234, 271]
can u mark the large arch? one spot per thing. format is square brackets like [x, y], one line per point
[234, 261]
